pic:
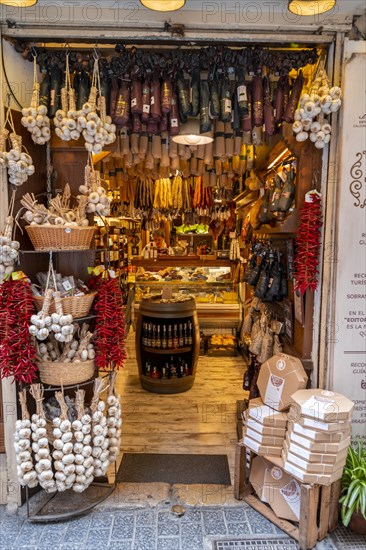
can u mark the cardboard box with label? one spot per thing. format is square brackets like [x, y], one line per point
[311, 456]
[320, 446]
[264, 439]
[313, 467]
[277, 488]
[265, 430]
[280, 377]
[265, 415]
[263, 450]
[310, 478]
[317, 435]
[322, 405]
[311, 424]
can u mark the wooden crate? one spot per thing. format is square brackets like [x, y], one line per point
[318, 506]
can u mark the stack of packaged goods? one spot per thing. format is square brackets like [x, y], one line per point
[264, 429]
[318, 436]
[265, 421]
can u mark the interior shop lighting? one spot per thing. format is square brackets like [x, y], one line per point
[163, 5]
[277, 159]
[190, 134]
[310, 7]
[19, 3]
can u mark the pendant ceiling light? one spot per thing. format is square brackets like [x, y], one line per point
[310, 7]
[163, 5]
[190, 134]
[19, 3]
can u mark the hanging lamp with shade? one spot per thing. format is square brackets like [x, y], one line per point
[190, 134]
[310, 7]
[163, 5]
[18, 3]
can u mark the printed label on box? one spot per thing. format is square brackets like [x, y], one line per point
[274, 390]
[291, 493]
[276, 473]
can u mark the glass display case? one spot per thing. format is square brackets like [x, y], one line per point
[216, 298]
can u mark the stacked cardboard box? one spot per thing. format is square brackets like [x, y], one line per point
[275, 487]
[318, 436]
[266, 422]
[264, 429]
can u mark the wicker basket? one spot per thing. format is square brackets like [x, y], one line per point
[56, 237]
[77, 306]
[66, 374]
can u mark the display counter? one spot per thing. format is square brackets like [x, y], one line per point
[217, 301]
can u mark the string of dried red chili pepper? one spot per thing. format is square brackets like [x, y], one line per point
[308, 244]
[109, 335]
[17, 350]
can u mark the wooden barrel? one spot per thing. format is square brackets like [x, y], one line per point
[158, 364]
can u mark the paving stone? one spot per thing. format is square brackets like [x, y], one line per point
[168, 544]
[102, 521]
[121, 545]
[212, 516]
[235, 514]
[98, 536]
[215, 528]
[238, 528]
[145, 518]
[168, 529]
[191, 529]
[164, 517]
[120, 532]
[72, 546]
[123, 519]
[74, 534]
[258, 524]
[145, 538]
[6, 541]
[192, 515]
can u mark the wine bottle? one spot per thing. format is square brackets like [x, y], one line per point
[175, 338]
[164, 340]
[170, 339]
[153, 339]
[181, 336]
[185, 335]
[190, 333]
[149, 335]
[158, 338]
[144, 334]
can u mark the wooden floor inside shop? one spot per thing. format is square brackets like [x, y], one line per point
[202, 420]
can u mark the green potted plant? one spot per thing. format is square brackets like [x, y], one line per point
[353, 495]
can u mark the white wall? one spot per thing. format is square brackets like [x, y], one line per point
[348, 335]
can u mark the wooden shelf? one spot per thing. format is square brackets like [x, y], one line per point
[167, 351]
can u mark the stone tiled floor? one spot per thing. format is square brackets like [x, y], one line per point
[140, 529]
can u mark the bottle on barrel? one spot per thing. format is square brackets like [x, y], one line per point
[158, 338]
[181, 336]
[164, 339]
[175, 338]
[170, 338]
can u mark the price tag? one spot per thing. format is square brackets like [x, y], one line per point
[152, 101]
[67, 286]
[174, 122]
[242, 93]
[146, 108]
[134, 102]
[167, 293]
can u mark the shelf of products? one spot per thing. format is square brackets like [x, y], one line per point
[167, 345]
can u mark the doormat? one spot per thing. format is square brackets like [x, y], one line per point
[174, 469]
[265, 543]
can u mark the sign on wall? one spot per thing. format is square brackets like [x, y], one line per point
[348, 366]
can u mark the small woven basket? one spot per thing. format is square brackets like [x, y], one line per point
[58, 237]
[77, 306]
[65, 374]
